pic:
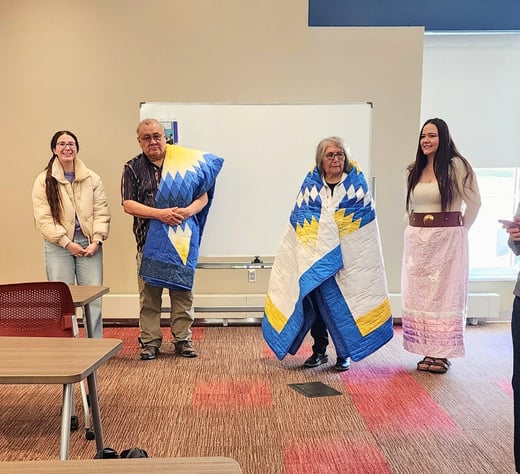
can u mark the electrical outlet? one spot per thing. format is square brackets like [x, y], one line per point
[251, 276]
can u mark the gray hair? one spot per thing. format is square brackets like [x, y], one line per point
[320, 152]
[149, 121]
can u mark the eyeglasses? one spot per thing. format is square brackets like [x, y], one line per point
[339, 155]
[156, 137]
[66, 144]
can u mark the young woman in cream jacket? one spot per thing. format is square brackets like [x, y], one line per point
[71, 213]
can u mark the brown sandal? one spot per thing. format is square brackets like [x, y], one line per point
[425, 364]
[439, 366]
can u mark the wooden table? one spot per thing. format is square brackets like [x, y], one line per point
[82, 296]
[208, 465]
[65, 361]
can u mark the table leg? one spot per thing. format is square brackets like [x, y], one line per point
[66, 413]
[94, 405]
[87, 320]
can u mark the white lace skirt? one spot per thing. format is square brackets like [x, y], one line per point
[434, 287]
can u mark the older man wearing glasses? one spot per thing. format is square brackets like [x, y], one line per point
[168, 189]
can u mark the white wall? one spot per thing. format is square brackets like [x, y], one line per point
[87, 66]
[471, 81]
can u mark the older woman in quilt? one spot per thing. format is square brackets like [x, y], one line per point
[328, 276]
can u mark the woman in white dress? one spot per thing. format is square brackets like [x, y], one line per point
[442, 202]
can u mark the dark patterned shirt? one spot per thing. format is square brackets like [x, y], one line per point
[139, 183]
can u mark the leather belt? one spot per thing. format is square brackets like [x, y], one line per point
[436, 219]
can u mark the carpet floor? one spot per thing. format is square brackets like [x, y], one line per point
[236, 400]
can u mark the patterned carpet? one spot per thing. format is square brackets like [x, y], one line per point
[234, 400]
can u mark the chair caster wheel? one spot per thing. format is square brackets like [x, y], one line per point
[74, 423]
[90, 435]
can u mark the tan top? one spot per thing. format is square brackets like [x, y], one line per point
[427, 198]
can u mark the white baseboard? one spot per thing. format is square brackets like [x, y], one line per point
[126, 306]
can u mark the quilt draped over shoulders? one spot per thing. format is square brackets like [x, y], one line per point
[171, 253]
[331, 247]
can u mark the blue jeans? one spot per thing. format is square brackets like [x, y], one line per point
[61, 265]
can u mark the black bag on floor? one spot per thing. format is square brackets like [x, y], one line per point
[109, 453]
[134, 453]
[106, 453]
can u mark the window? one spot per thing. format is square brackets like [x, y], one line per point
[489, 255]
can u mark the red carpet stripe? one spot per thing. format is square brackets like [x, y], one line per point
[390, 399]
[232, 394]
[333, 456]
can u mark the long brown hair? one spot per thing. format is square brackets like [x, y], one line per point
[51, 184]
[443, 166]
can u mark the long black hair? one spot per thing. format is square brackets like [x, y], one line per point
[51, 185]
[443, 166]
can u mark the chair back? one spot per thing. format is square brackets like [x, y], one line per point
[36, 309]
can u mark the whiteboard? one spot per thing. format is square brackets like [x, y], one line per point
[267, 149]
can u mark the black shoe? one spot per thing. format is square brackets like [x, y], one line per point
[316, 359]
[342, 364]
[149, 352]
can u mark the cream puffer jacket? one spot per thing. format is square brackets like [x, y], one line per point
[85, 197]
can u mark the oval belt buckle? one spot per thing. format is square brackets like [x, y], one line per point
[428, 219]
